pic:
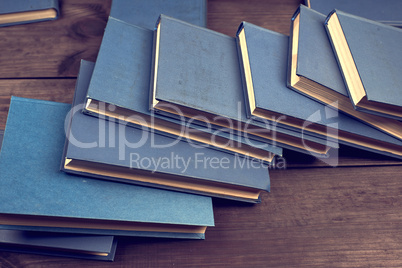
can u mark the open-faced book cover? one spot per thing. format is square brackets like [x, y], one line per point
[313, 70]
[93, 247]
[119, 89]
[27, 11]
[196, 74]
[264, 55]
[370, 60]
[36, 195]
[132, 155]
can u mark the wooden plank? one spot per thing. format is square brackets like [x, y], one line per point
[225, 15]
[54, 48]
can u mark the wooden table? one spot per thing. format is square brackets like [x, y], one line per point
[315, 215]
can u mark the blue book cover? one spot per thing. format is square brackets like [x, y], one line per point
[35, 195]
[196, 74]
[144, 13]
[264, 56]
[93, 247]
[27, 11]
[109, 150]
[120, 82]
[370, 60]
[313, 70]
[384, 11]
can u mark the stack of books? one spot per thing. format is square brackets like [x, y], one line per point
[172, 114]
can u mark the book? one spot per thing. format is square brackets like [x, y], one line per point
[131, 155]
[144, 13]
[313, 70]
[385, 11]
[369, 57]
[119, 89]
[36, 196]
[27, 11]
[264, 56]
[196, 74]
[93, 247]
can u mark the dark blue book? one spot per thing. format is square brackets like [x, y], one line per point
[264, 56]
[314, 72]
[384, 11]
[113, 151]
[35, 195]
[144, 13]
[119, 89]
[93, 247]
[196, 74]
[370, 60]
[27, 11]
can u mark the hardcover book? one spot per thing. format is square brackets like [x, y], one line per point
[119, 89]
[26, 11]
[196, 74]
[313, 70]
[35, 195]
[264, 56]
[384, 11]
[370, 60]
[94, 247]
[131, 155]
[144, 13]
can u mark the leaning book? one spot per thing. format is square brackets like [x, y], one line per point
[264, 56]
[313, 70]
[370, 59]
[36, 195]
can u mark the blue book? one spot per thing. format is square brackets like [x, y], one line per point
[196, 74]
[314, 72]
[93, 247]
[27, 11]
[384, 11]
[35, 195]
[264, 56]
[370, 60]
[119, 89]
[108, 150]
[144, 13]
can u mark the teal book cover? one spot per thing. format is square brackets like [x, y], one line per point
[313, 70]
[144, 13]
[196, 74]
[120, 82]
[264, 56]
[132, 155]
[370, 60]
[27, 11]
[93, 247]
[384, 11]
[35, 195]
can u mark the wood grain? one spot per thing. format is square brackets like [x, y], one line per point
[54, 48]
[315, 215]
